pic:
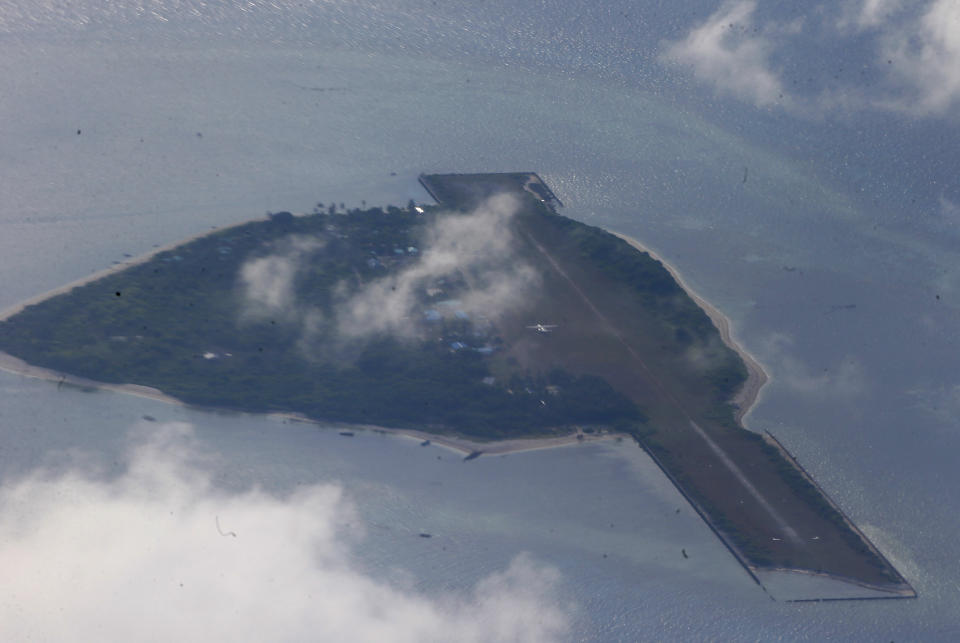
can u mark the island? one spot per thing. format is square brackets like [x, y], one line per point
[487, 321]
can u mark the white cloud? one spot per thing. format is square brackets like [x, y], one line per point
[925, 60]
[707, 356]
[160, 554]
[480, 245]
[268, 288]
[945, 221]
[865, 14]
[269, 282]
[842, 379]
[728, 53]
[940, 400]
[915, 47]
[949, 210]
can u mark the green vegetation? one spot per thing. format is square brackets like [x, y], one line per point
[684, 324]
[178, 323]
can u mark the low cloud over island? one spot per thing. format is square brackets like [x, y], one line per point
[478, 246]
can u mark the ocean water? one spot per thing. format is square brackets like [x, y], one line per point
[846, 294]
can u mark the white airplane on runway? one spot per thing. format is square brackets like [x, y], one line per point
[543, 328]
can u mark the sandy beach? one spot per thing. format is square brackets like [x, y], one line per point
[501, 447]
[465, 445]
[17, 366]
[747, 397]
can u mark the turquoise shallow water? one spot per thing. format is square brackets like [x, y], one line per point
[865, 396]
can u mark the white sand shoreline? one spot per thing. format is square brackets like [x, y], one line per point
[462, 444]
[749, 394]
[17, 366]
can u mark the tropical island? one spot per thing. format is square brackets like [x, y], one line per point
[488, 316]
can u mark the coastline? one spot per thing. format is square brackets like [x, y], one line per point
[17, 366]
[902, 589]
[462, 444]
[884, 592]
[749, 394]
[503, 447]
